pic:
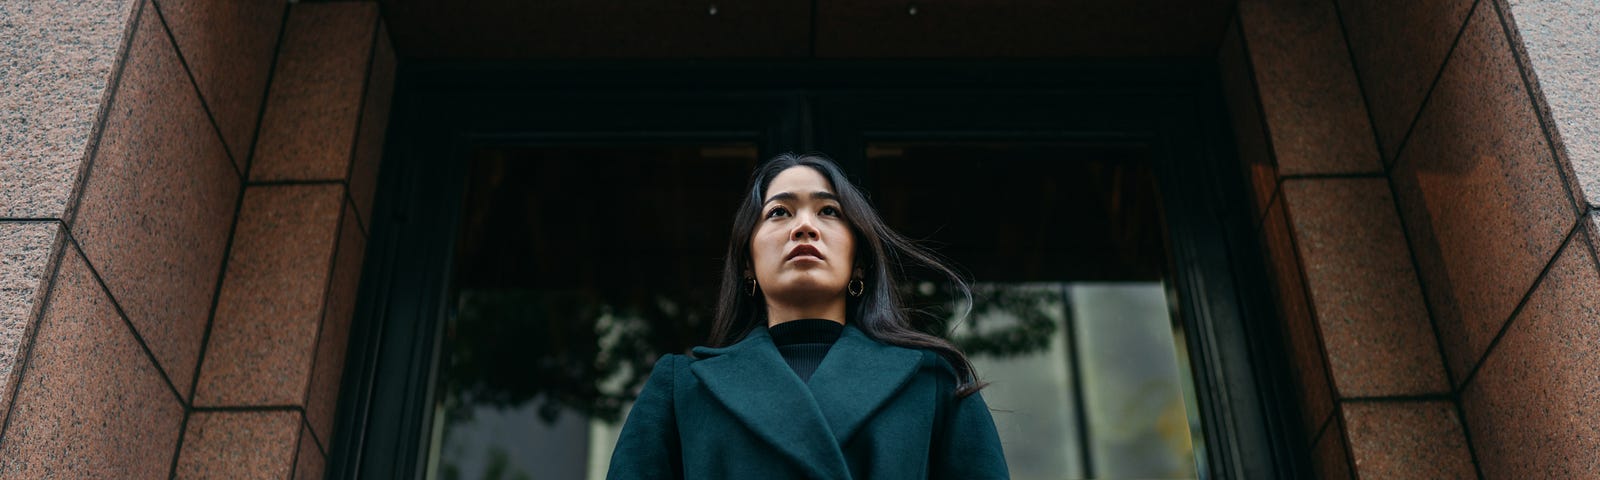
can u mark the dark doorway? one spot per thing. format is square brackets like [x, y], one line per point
[517, 309]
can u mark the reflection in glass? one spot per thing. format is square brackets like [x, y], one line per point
[576, 267]
[1102, 398]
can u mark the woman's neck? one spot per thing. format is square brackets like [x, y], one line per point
[780, 313]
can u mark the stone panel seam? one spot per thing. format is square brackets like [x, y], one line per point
[211, 319]
[281, 183]
[248, 408]
[360, 111]
[1399, 150]
[1594, 251]
[1388, 176]
[327, 292]
[1540, 108]
[123, 315]
[1311, 307]
[31, 329]
[1344, 435]
[189, 73]
[86, 167]
[266, 93]
[1432, 397]
[294, 460]
[227, 253]
[1261, 111]
[1566, 242]
[1333, 176]
[1461, 416]
[1323, 429]
[314, 438]
[228, 250]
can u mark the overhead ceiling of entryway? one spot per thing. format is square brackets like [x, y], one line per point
[797, 29]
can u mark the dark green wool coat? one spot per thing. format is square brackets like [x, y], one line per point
[871, 411]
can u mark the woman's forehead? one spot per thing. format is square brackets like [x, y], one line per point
[799, 180]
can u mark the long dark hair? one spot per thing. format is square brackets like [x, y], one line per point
[881, 253]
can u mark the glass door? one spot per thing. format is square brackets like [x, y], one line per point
[536, 250]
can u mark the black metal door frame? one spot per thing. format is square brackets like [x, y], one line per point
[1173, 108]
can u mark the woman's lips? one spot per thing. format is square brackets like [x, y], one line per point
[804, 252]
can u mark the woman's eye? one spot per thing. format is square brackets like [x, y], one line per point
[830, 211]
[777, 212]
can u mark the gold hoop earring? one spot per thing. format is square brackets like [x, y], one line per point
[857, 287]
[752, 291]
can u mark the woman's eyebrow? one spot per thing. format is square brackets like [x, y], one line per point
[817, 195]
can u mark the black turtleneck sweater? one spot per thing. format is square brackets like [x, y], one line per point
[804, 342]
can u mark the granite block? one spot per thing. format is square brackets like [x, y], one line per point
[59, 58]
[1398, 49]
[1299, 327]
[309, 126]
[228, 46]
[239, 444]
[1308, 90]
[27, 250]
[159, 202]
[1560, 41]
[1534, 406]
[309, 462]
[1482, 197]
[90, 403]
[374, 125]
[323, 396]
[1249, 133]
[271, 300]
[1407, 439]
[1329, 458]
[1362, 286]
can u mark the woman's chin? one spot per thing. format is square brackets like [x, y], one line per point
[806, 289]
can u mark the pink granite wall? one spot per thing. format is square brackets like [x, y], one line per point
[175, 301]
[1430, 244]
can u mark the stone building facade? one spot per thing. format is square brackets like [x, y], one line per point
[187, 189]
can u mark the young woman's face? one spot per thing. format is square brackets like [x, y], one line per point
[802, 249]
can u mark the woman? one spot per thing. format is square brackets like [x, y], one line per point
[814, 369]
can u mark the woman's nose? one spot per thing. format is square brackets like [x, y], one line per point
[804, 229]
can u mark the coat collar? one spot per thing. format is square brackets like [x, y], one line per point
[808, 422]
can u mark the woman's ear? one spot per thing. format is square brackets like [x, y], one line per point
[859, 274]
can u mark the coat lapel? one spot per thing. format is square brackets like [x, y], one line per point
[856, 377]
[753, 381]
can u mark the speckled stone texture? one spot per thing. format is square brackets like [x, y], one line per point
[159, 202]
[26, 252]
[374, 124]
[56, 63]
[1398, 48]
[265, 331]
[228, 47]
[90, 403]
[335, 337]
[309, 126]
[1308, 90]
[1299, 328]
[1483, 200]
[1249, 134]
[1560, 39]
[1534, 406]
[309, 462]
[1407, 439]
[1329, 459]
[1368, 305]
[239, 444]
